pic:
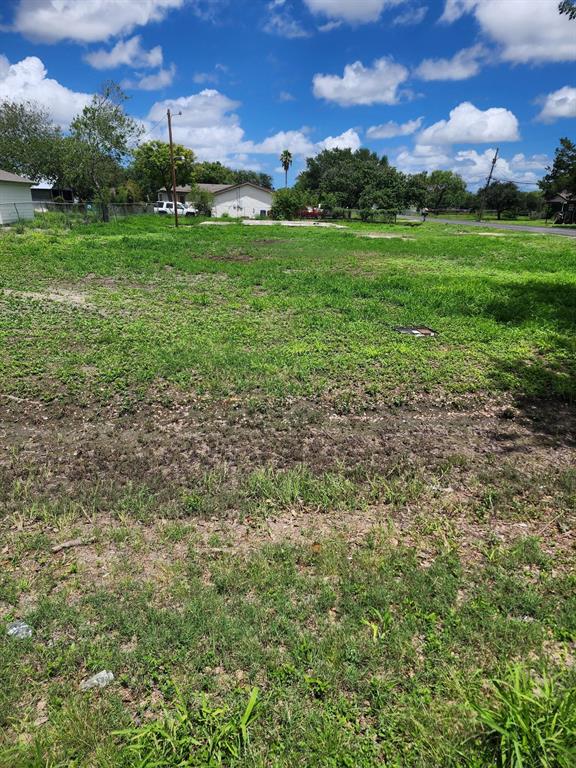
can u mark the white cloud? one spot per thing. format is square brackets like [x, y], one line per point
[285, 96]
[154, 82]
[86, 21]
[281, 21]
[347, 140]
[526, 30]
[560, 103]
[296, 142]
[330, 26]
[472, 165]
[469, 125]
[128, 53]
[464, 64]
[411, 17]
[422, 158]
[362, 85]
[353, 11]
[208, 123]
[27, 81]
[391, 129]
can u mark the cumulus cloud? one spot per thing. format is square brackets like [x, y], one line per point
[128, 53]
[347, 140]
[88, 21]
[560, 103]
[472, 165]
[377, 84]
[391, 129]
[411, 17]
[469, 125]
[210, 125]
[525, 30]
[352, 11]
[27, 81]
[464, 64]
[154, 82]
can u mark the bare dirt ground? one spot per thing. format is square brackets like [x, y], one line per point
[63, 451]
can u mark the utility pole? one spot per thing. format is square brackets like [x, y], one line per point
[173, 167]
[485, 190]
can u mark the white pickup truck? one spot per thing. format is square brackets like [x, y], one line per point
[165, 207]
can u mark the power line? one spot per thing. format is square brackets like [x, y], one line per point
[148, 133]
[517, 181]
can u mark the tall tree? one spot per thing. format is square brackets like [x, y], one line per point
[561, 177]
[254, 177]
[30, 143]
[444, 189]
[353, 179]
[100, 141]
[213, 173]
[286, 162]
[502, 196]
[152, 169]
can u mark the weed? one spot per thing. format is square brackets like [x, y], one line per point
[529, 723]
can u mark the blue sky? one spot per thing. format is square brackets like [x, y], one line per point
[430, 83]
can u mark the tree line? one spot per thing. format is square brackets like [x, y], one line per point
[104, 157]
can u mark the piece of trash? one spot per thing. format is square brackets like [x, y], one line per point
[415, 330]
[99, 680]
[19, 629]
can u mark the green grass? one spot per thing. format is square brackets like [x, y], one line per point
[361, 656]
[218, 310]
[301, 538]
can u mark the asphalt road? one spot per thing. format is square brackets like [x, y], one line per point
[498, 225]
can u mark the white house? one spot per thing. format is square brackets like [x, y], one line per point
[15, 198]
[246, 200]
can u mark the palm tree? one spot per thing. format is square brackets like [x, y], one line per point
[286, 161]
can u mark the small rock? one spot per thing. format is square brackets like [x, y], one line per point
[99, 680]
[19, 629]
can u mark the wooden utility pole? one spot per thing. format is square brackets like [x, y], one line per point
[485, 190]
[173, 168]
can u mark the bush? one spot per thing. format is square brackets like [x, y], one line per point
[287, 202]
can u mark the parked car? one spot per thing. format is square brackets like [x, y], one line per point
[165, 207]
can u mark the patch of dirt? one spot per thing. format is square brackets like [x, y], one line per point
[271, 241]
[484, 234]
[73, 298]
[304, 223]
[216, 224]
[383, 236]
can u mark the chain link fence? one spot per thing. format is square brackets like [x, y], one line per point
[68, 213]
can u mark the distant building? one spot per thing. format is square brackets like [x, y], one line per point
[15, 198]
[246, 200]
[45, 192]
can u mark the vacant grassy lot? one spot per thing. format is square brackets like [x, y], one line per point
[294, 535]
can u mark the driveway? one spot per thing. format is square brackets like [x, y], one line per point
[497, 225]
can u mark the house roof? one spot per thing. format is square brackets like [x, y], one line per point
[216, 189]
[12, 177]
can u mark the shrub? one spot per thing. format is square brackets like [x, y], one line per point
[287, 202]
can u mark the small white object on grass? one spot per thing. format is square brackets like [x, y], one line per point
[19, 629]
[99, 680]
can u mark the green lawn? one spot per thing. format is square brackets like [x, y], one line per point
[294, 535]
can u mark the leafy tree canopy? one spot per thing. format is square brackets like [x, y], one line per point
[355, 179]
[444, 189]
[99, 143]
[152, 167]
[502, 196]
[30, 143]
[561, 177]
